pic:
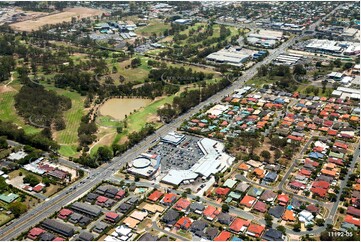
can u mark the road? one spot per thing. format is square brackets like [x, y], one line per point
[45, 209]
[333, 211]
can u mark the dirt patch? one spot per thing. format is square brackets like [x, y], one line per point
[153, 118]
[65, 16]
[4, 89]
[118, 108]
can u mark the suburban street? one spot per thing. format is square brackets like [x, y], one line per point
[14, 228]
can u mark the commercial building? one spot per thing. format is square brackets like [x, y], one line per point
[145, 165]
[213, 161]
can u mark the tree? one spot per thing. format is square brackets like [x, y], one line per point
[104, 153]
[320, 222]
[135, 62]
[266, 154]
[225, 208]
[297, 226]
[3, 143]
[299, 70]
[31, 179]
[281, 228]
[17, 208]
[3, 185]
[269, 219]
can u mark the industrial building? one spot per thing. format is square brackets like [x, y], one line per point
[232, 56]
[325, 46]
[288, 59]
[344, 92]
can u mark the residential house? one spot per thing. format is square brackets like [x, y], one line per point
[223, 236]
[239, 225]
[273, 235]
[182, 205]
[248, 201]
[170, 217]
[183, 223]
[276, 211]
[255, 230]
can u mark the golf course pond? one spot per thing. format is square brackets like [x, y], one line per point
[117, 108]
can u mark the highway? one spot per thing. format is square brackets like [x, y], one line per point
[31, 218]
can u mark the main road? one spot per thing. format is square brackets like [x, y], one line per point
[31, 218]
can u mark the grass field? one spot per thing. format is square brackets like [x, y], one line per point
[8, 112]
[155, 26]
[4, 218]
[68, 138]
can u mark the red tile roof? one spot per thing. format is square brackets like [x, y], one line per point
[319, 191]
[256, 229]
[341, 145]
[38, 188]
[352, 220]
[210, 211]
[283, 199]
[58, 239]
[305, 172]
[332, 132]
[120, 194]
[297, 184]
[223, 236]
[222, 191]
[248, 201]
[295, 138]
[260, 206]
[111, 215]
[35, 232]
[321, 184]
[64, 213]
[155, 195]
[238, 224]
[102, 199]
[182, 204]
[183, 223]
[169, 197]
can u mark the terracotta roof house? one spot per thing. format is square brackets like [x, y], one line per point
[221, 191]
[183, 223]
[289, 216]
[255, 230]
[248, 201]
[297, 185]
[305, 172]
[283, 199]
[169, 199]
[243, 166]
[319, 191]
[112, 217]
[352, 220]
[260, 207]
[101, 200]
[155, 196]
[64, 213]
[34, 233]
[223, 236]
[239, 225]
[120, 194]
[210, 212]
[182, 204]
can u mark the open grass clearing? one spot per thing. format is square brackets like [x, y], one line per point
[154, 27]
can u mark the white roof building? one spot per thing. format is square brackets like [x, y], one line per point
[305, 217]
[214, 160]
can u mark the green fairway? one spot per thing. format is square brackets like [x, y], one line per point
[72, 117]
[68, 150]
[8, 112]
[154, 26]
